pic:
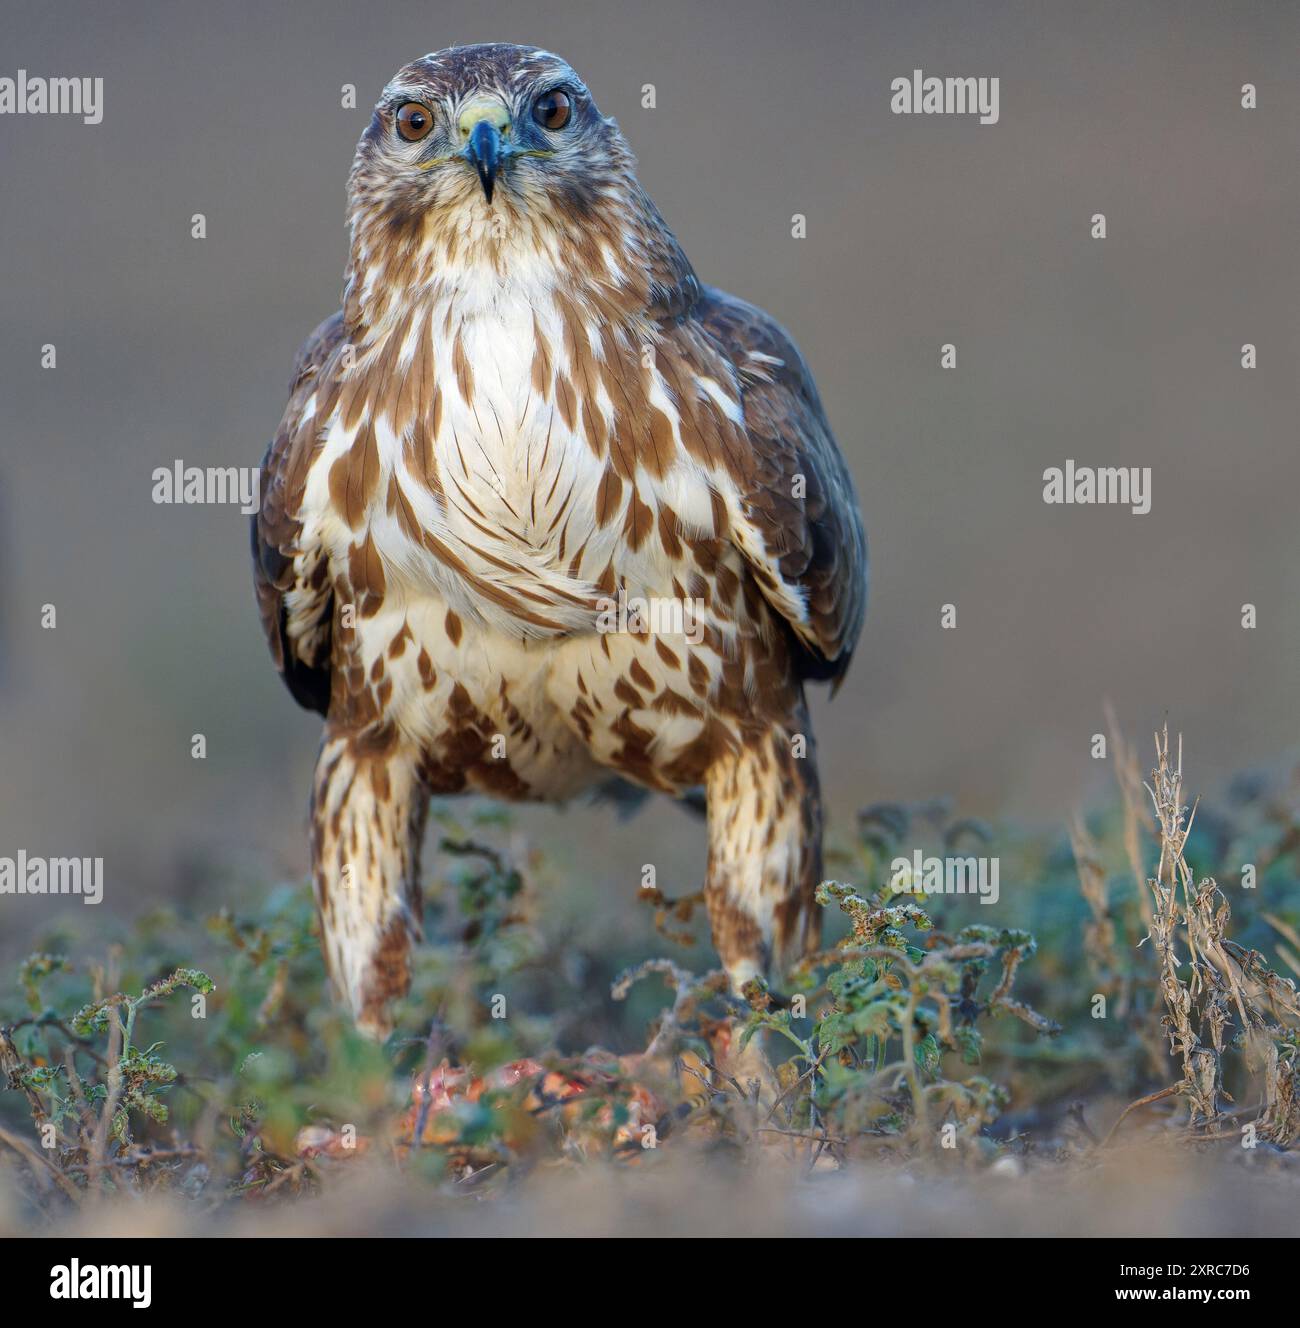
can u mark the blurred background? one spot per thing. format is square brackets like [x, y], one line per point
[920, 230]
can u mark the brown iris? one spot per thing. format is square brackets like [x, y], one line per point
[552, 109]
[414, 121]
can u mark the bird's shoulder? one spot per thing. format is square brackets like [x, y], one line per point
[755, 342]
[299, 642]
[323, 341]
[798, 522]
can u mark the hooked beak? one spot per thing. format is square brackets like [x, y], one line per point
[483, 151]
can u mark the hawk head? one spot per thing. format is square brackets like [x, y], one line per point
[466, 130]
[494, 161]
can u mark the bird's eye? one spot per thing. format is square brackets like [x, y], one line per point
[552, 109]
[414, 121]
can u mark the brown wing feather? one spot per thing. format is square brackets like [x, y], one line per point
[814, 543]
[299, 640]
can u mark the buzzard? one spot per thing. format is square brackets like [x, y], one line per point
[528, 410]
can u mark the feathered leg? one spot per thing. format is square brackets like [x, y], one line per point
[367, 811]
[765, 831]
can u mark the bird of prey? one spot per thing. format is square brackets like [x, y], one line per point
[527, 411]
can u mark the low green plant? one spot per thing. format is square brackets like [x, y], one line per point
[207, 1058]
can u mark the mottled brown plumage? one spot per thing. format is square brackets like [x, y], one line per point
[527, 413]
